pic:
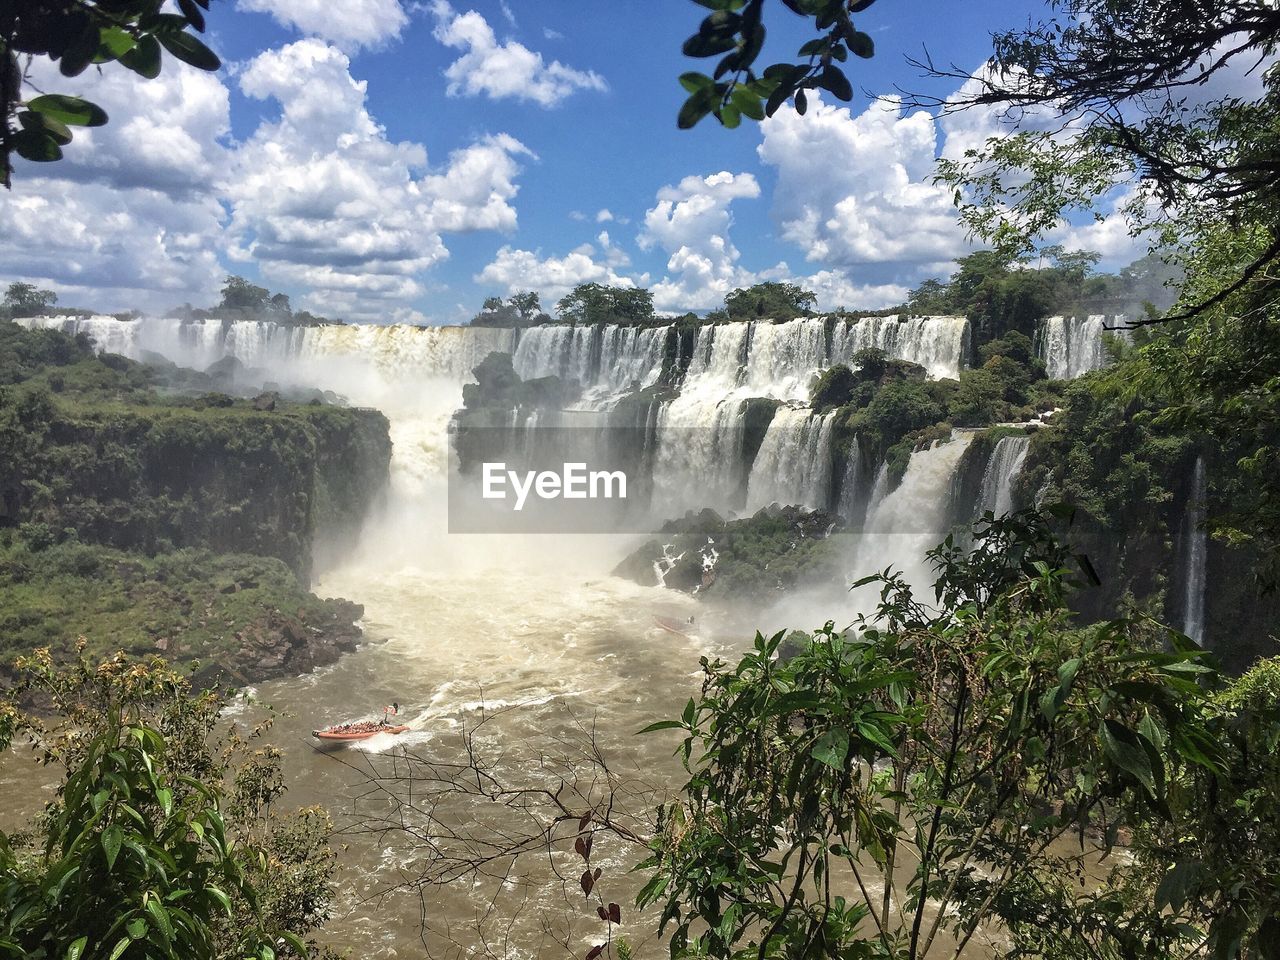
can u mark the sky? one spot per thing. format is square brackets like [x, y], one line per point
[399, 161]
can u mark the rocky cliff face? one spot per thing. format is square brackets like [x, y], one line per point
[230, 479]
[184, 523]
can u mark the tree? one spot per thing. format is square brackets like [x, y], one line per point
[239, 294]
[893, 789]
[77, 34]
[526, 304]
[1141, 123]
[162, 841]
[27, 300]
[772, 301]
[596, 303]
[279, 303]
[735, 29]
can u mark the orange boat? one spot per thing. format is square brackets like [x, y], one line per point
[361, 729]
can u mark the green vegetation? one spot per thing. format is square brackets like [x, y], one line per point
[242, 300]
[735, 32]
[76, 34]
[240, 616]
[91, 452]
[186, 523]
[776, 550]
[895, 789]
[1001, 293]
[167, 838]
[596, 303]
[519, 310]
[766, 301]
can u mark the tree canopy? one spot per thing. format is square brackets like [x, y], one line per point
[77, 34]
[735, 32]
[772, 300]
[1120, 96]
[597, 303]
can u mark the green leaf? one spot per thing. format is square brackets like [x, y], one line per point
[136, 928]
[1125, 750]
[663, 725]
[190, 50]
[693, 82]
[76, 949]
[861, 44]
[730, 116]
[161, 917]
[295, 941]
[54, 128]
[1176, 884]
[112, 837]
[833, 79]
[115, 43]
[144, 59]
[69, 110]
[36, 145]
[121, 946]
[832, 748]
[192, 13]
[220, 896]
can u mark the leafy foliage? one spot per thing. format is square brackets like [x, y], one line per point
[735, 32]
[1190, 163]
[772, 300]
[77, 34]
[597, 303]
[892, 789]
[162, 841]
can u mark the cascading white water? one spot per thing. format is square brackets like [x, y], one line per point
[851, 483]
[1071, 346]
[936, 343]
[879, 490]
[1003, 466]
[782, 358]
[1196, 551]
[415, 375]
[914, 517]
[793, 464]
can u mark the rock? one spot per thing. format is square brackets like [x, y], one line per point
[266, 401]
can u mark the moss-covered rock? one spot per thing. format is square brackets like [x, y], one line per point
[776, 550]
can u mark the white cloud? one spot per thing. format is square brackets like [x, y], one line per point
[129, 217]
[502, 70]
[348, 25]
[691, 222]
[324, 200]
[604, 216]
[858, 190]
[553, 277]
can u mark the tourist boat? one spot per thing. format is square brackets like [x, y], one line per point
[361, 729]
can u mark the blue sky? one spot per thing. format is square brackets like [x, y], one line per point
[384, 160]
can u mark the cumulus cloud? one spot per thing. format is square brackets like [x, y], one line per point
[503, 70]
[855, 190]
[126, 218]
[349, 25]
[690, 222]
[553, 277]
[323, 199]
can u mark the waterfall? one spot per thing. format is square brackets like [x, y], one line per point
[1195, 540]
[782, 358]
[1003, 466]
[938, 344]
[793, 465]
[1071, 346]
[693, 443]
[851, 483]
[904, 524]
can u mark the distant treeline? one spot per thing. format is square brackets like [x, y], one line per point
[999, 293]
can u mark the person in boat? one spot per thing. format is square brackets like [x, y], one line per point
[367, 726]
